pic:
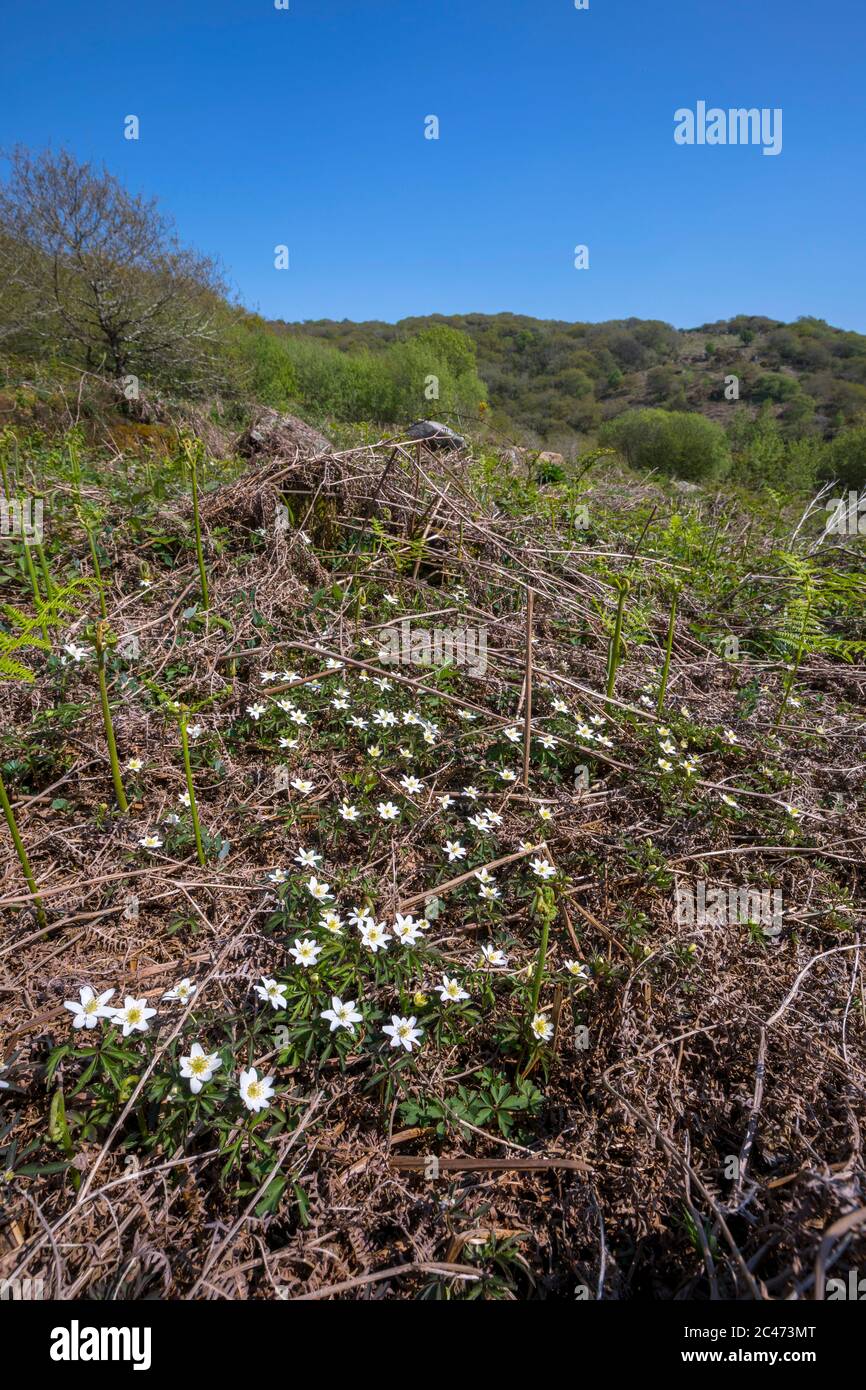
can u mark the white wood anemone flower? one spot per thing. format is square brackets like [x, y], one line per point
[272, 993]
[342, 1015]
[255, 1091]
[450, 991]
[403, 1032]
[89, 1008]
[133, 1017]
[198, 1068]
[181, 993]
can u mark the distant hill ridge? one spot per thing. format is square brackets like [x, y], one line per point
[554, 381]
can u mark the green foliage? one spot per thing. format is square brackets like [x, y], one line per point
[25, 631]
[493, 1101]
[845, 458]
[671, 442]
[430, 373]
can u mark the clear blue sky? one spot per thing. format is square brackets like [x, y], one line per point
[261, 126]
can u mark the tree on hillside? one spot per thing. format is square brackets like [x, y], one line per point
[98, 273]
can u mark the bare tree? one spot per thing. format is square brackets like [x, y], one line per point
[92, 269]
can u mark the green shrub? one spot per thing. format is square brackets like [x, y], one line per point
[678, 443]
[846, 458]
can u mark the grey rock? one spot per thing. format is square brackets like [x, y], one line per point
[435, 436]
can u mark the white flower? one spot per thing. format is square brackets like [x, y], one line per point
[349, 813]
[450, 991]
[668, 747]
[480, 823]
[471, 792]
[454, 850]
[302, 786]
[195, 731]
[134, 765]
[507, 775]
[199, 1067]
[403, 1032]
[387, 810]
[272, 993]
[492, 817]
[305, 952]
[547, 741]
[584, 731]
[132, 1018]
[545, 813]
[75, 653]
[278, 876]
[493, 957]
[645, 700]
[256, 711]
[183, 798]
[317, 890]
[411, 785]
[484, 875]
[597, 720]
[664, 764]
[90, 1008]
[575, 968]
[542, 868]
[307, 858]
[728, 800]
[488, 891]
[181, 993]
[373, 937]
[288, 742]
[342, 1015]
[794, 812]
[560, 707]
[384, 718]
[332, 922]
[542, 1028]
[357, 723]
[150, 842]
[256, 1094]
[690, 766]
[512, 734]
[446, 801]
[267, 676]
[407, 929]
[466, 714]
[359, 917]
[730, 737]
